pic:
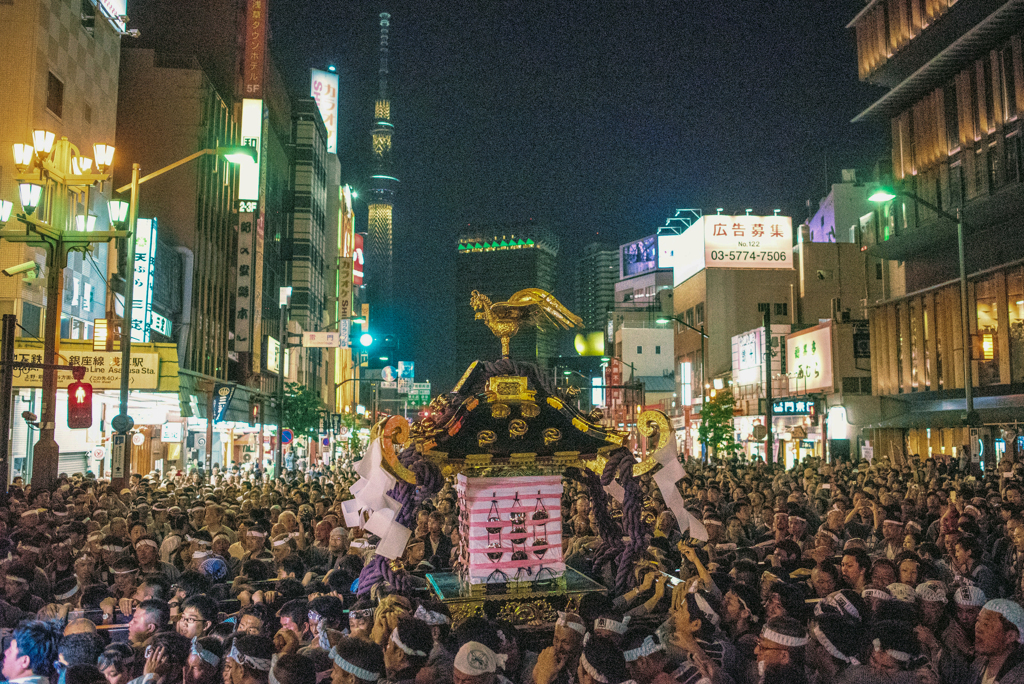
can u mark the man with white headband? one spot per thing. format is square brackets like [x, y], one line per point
[998, 635]
[646, 660]
[407, 649]
[249, 660]
[781, 651]
[475, 663]
[557, 663]
[356, 661]
[18, 580]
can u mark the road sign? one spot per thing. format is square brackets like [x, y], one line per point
[287, 436]
[388, 374]
[138, 438]
[321, 339]
[117, 455]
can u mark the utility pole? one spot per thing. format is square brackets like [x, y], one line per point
[6, 381]
[768, 437]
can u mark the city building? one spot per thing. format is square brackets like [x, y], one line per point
[596, 273]
[68, 87]
[639, 372]
[380, 275]
[308, 247]
[498, 260]
[955, 92]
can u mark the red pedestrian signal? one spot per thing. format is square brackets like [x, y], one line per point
[79, 405]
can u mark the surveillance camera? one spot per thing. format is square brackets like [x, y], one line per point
[21, 268]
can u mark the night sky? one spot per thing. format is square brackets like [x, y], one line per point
[598, 118]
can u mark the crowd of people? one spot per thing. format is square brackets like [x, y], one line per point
[850, 572]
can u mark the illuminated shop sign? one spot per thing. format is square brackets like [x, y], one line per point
[142, 279]
[809, 359]
[324, 89]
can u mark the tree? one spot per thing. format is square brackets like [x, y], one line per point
[716, 426]
[302, 408]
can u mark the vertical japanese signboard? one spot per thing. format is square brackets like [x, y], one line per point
[142, 279]
[248, 205]
[255, 48]
[324, 89]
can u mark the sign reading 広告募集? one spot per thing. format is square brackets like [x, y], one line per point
[102, 369]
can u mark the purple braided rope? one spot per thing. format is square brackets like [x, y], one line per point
[620, 463]
[429, 481]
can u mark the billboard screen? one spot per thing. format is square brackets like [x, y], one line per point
[324, 89]
[639, 257]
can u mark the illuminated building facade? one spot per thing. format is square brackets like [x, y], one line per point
[498, 261]
[383, 185]
[956, 92]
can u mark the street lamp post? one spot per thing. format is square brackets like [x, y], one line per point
[888, 194]
[55, 178]
[703, 364]
[122, 422]
[285, 300]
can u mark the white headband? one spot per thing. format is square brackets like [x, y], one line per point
[405, 649]
[871, 592]
[280, 542]
[830, 647]
[431, 617]
[901, 656]
[783, 639]
[146, 542]
[255, 533]
[125, 572]
[204, 655]
[577, 627]
[712, 521]
[112, 548]
[359, 672]
[591, 670]
[474, 658]
[706, 608]
[797, 517]
[261, 664]
[74, 590]
[610, 625]
[643, 650]
[200, 554]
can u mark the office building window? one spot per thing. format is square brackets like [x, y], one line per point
[55, 95]
[698, 314]
[762, 307]
[657, 349]
[782, 309]
[639, 349]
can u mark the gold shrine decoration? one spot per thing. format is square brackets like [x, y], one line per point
[391, 431]
[531, 307]
[647, 423]
[506, 388]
